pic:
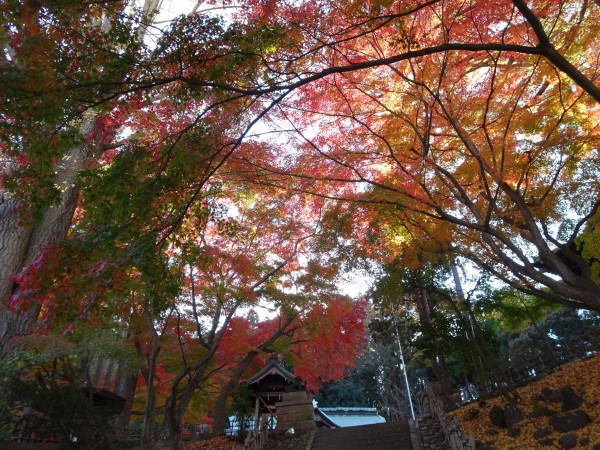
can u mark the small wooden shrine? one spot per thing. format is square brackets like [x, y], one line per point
[278, 393]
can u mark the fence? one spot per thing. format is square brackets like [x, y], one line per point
[524, 367]
[522, 371]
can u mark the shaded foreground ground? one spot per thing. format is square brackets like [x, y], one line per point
[381, 436]
[544, 408]
[378, 436]
[219, 443]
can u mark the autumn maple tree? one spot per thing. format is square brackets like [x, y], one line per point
[320, 345]
[129, 149]
[466, 125]
[238, 248]
[271, 259]
[468, 89]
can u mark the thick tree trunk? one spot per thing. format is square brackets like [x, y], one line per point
[176, 405]
[125, 416]
[148, 425]
[438, 363]
[20, 244]
[14, 243]
[221, 402]
[219, 412]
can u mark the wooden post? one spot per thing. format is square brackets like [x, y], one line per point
[256, 414]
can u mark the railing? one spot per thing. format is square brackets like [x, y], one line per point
[452, 431]
[545, 361]
[258, 439]
[525, 366]
[32, 432]
[133, 433]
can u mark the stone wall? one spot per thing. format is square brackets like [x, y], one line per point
[295, 410]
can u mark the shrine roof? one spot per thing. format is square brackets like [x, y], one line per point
[272, 368]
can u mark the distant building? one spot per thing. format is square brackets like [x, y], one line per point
[352, 416]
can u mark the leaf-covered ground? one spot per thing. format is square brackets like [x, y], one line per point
[583, 376]
[218, 443]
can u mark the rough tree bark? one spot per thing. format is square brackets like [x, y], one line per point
[20, 243]
[221, 402]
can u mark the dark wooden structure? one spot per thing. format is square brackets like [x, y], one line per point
[280, 398]
[271, 382]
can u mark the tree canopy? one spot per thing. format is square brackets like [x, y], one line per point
[184, 171]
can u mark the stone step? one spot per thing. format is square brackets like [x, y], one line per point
[432, 436]
[383, 436]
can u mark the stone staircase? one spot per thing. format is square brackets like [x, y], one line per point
[432, 436]
[381, 436]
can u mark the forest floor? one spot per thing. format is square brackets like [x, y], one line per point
[218, 443]
[560, 410]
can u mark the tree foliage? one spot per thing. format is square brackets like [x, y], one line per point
[470, 135]
[224, 163]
